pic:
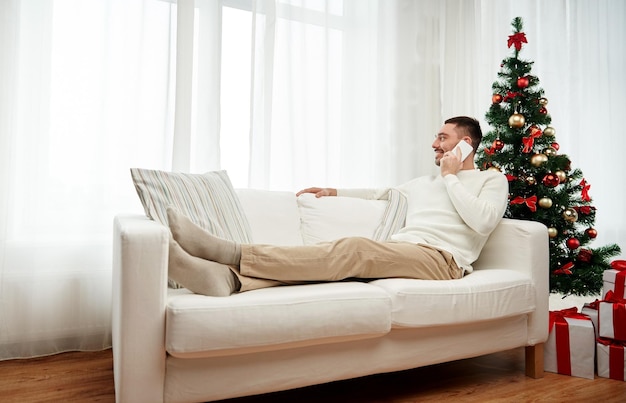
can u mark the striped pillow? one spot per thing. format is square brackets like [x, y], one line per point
[208, 199]
[393, 217]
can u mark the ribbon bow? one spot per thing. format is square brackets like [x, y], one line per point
[517, 40]
[565, 269]
[559, 316]
[531, 202]
[511, 95]
[585, 190]
[614, 298]
[594, 305]
[530, 140]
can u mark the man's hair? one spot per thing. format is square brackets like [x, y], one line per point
[470, 126]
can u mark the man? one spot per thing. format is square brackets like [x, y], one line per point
[449, 219]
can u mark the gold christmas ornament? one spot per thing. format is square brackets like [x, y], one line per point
[517, 120]
[545, 202]
[552, 232]
[549, 131]
[549, 151]
[561, 175]
[531, 180]
[538, 159]
[543, 101]
[494, 168]
[570, 215]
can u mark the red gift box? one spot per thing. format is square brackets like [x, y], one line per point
[611, 359]
[612, 317]
[570, 349]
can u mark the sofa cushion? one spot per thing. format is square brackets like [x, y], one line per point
[273, 216]
[329, 218]
[481, 295]
[273, 318]
[208, 199]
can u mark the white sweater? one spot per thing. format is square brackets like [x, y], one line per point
[455, 213]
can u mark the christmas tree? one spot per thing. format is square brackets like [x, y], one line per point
[543, 187]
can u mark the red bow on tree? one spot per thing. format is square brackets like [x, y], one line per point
[517, 40]
[565, 269]
[531, 202]
[510, 95]
[585, 190]
[530, 140]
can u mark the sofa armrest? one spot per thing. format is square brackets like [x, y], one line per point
[523, 246]
[140, 260]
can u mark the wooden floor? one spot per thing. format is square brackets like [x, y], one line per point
[88, 377]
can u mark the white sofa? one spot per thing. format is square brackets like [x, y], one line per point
[174, 346]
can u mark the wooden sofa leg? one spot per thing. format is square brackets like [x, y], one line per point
[534, 361]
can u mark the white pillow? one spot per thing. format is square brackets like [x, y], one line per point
[328, 218]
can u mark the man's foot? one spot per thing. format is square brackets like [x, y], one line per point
[201, 243]
[199, 275]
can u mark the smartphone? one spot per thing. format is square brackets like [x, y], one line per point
[466, 149]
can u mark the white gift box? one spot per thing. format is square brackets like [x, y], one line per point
[609, 278]
[611, 359]
[591, 310]
[582, 347]
[612, 320]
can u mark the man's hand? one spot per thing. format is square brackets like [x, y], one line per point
[451, 162]
[319, 192]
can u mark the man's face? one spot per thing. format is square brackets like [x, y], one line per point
[445, 140]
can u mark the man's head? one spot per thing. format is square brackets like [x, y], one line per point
[460, 128]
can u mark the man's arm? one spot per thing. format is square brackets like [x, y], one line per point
[484, 211]
[319, 192]
[368, 194]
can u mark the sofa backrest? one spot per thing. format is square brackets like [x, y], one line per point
[281, 218]
[273, 216]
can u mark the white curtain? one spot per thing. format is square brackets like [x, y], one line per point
[282, 94]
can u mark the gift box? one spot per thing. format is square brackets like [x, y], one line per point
[612, 317]
[615, 278]
[571, 345]
[591, 309]
[611, 358]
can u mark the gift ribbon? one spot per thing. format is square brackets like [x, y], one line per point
[619, 314]
[616, 358]
[585, 190]
[558, 322]
[531, 202]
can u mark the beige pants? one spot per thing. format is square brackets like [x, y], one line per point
[265, 265]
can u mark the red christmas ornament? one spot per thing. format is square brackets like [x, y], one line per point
[522, 82]
[584, 255]
[498, 144]
[572, 243]
[551, 180]
[591, 232]
[555, 145]
[496, 98]
[543, 110]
